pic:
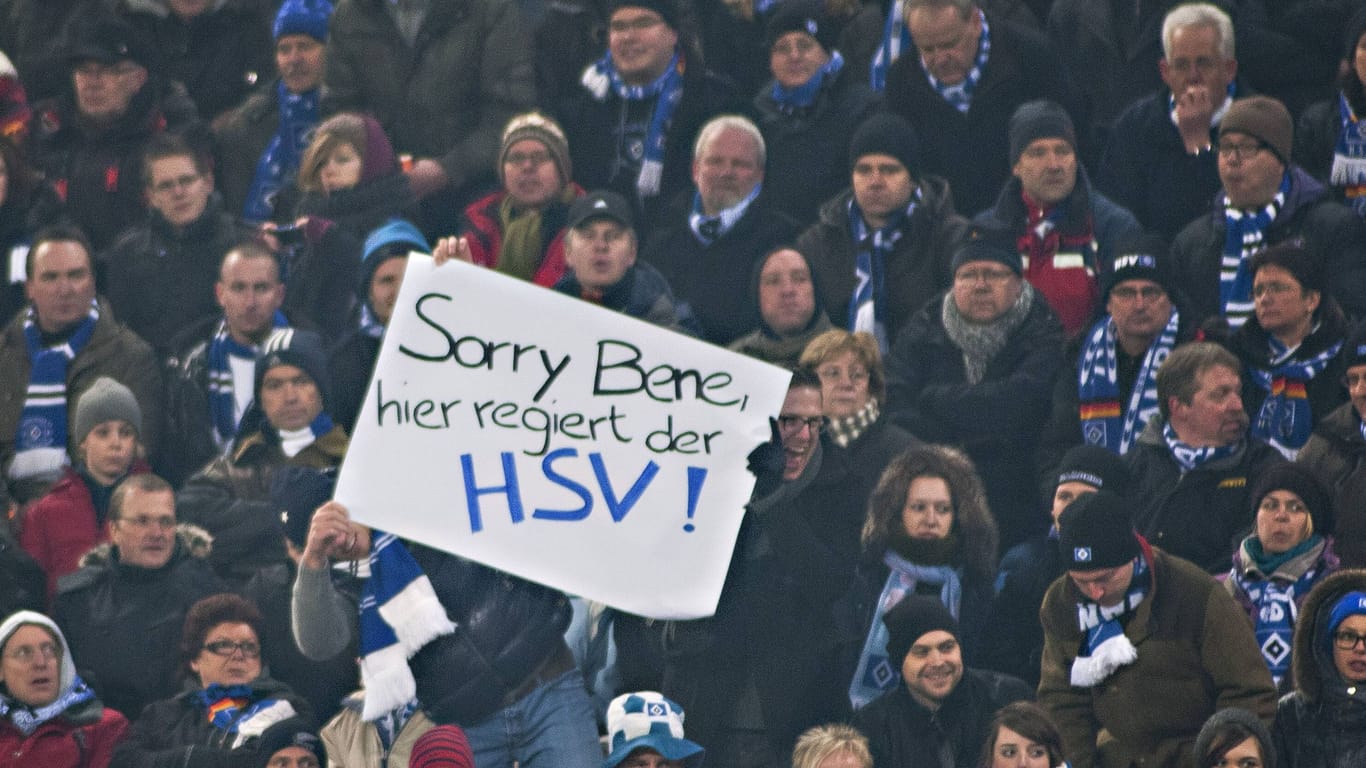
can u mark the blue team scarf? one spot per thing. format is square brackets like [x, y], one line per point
[40, 444]
[1273, 600]
[27, 719]
[1244, 232]
[1188, 457]
[299, 113]
[876, 674]
[709, 229]
[868, 306]
[960, 95]
[895, 39]
[602, 77]
[1349, 157]
[790, 100]
[1105, 647]
[1103, 422]
[1286, 417]
[399, 613]
[222, 399]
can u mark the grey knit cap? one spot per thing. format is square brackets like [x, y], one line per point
[106, 400]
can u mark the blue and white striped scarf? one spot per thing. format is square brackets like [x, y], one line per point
[1349, 157]
[229, 708]
[1273, 599]
[875, 674]
[1286, 417]
[27, 720]
[1098, 386]
[1188, 457]
[868, 307]
[40, 444]
[602, 78]
[399, 613]
[895, 39]
[299, 114]
[222, 396]
[1244, 233]
[959, 96]
[790, 100]
[709, 229]
[1106, 648]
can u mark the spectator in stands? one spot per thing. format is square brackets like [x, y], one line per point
[1140, 646]
[64, 341]
[1335, 455]
[1160, 161]
[942, 714]
[1315, 725]
[709, 240]
[73, 517]
[928, 532]
[1068, 233]
[229, 701]
[89, 140]
[975, 366]
[881, 249]
[1022, 735]
[1328, 137]
[1289, 551]
[213, 367]
[832, 746]
[1290, 347]
[124, 609]
[286, 436]
[806, 112]
[783, 287]
[21, 190]
[1194, 462]
[159, 275]
[1233, 736]
[965, 75]
[353, 742]
[51, 717]
[1265, 200]
[259, 143]
[291, 743]
[644, 729]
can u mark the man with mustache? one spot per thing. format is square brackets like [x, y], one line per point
[1194, 462]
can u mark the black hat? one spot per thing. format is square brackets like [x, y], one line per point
[107, 39]
[988, 243]
[666, 9]
[1040, 119]
[292, 732]
[807, 16]
[1289, 476]
[1098, 467]
[1354, 349]
[910, 619]
[1096, 532]
[301, 349]
[1140, 257]
[887, 134]
[601, 204]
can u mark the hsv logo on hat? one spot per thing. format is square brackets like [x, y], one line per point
[1082, 554]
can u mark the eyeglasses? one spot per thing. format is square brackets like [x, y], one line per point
[641, 24]
[1129, 292]
[25, 654]
[171, 185]
[1347, 640]
[856, 375]
[1353, 380]
[227, 648]
[992, 276]
[791, 425]
[1293, 506]
[1275, 289]
[535, 158]
[1231, 151]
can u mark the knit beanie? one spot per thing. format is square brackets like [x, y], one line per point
[444, 746]
[1040, 119]
[1138, 258]
[886, 134]
[1265, 119]
[1096, 532]
[301, 349]
[536, 126]
[1304, 264]
[807, 16]
[1098, 467]
[377, 250]
[291, 732]
[665, 8]
[1289, 476]
[911, 619]
[986, 243]
[1234, 716]
[106, 400]
[303, 17]
[66, 672]
[1354, 349]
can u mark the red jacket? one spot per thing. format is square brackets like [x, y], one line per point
[485, 235]
[63, 742]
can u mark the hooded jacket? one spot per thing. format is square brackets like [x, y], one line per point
[1336, 454]
[766, 345]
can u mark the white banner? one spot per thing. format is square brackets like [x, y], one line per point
[559, 441]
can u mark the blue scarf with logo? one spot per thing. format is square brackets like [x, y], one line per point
[1286, 417]
[602, 78]
[960, 96]
[1102, 421]
[1349, 157]
[790, 100]
[40, 444]
[1244, 233]
[1188, 457]
[868, 307]
[1105, 647]
[1273, 600]
[299, 114]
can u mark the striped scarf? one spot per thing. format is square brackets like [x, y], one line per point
[789, 100]
[1103, 422]
[299, 113]
[40, 444]
[1286, 417]
[222, 396]
[1349, 157]
[895, 39]
[847, 429]
[27, 719]
[1188, 457]
[959, 96]
[602, 78]
[1106, 648]
[1273, 599]
[229, 708]
[1244, 233]
[867, 309]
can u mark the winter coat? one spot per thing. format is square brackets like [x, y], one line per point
[82, 737]
[1290, 49]
[1196, 655]
[483, 228]
[971, 150]
[917, 269]
[713, 280]
[175, 733]
[1013, 642]
[641, 293]
[808, 149]
[113, 351]
[1199, 515]
[350, 365]
[997, 420]
[1332, 230]
[1323, 723]
[124, 623]
[1336, 454]
[354, 743]
[902, 733]
[160, 278]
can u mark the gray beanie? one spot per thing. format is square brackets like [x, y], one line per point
[106, 400]
[1239, 722]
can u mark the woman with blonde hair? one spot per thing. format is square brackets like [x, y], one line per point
[832, 746]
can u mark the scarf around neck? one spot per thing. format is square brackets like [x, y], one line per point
[1274, 599]
[1188, 457]
[1103, 422]
[1349, 157]
[27, 719]
[234, 710]
[1060, 264]
[41, 441]
[895, 39]
[222, 396]
[299, 113]
[709, 229]
[868, 306]
[602, 78]
[981, 342]
[1244, 234]
[789, 100]
[1286, 417]
[846, 429]
[959, 96]
[1105, 647]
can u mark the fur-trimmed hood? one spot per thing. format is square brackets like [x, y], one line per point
[1313, 667]
[191, 540]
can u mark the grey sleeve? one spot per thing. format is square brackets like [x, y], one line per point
[322, 619]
